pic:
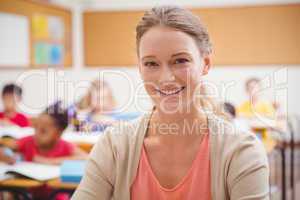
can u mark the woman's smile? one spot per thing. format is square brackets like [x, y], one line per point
[174, 91]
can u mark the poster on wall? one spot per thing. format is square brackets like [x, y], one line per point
[48, 40]
[14, 41]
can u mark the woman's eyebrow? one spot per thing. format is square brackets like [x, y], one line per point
[149, 56]
[181, 53]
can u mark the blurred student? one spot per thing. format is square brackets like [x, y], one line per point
[99, 99]
[94, 109]
[46, 145]
[255, 105]
[240, 124]
[11, 96]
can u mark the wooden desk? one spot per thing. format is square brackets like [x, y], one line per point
[57, 184]
[59, 187]
[87, 147]
[83, 140]
[83, 145]
[21, 183]
[19, 187]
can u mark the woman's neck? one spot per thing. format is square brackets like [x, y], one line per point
[193, 123]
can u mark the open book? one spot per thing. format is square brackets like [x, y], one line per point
[16, 132]
[39, 172]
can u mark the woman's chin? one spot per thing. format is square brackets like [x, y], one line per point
[171, 107]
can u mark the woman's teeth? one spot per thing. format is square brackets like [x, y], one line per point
[170, 92]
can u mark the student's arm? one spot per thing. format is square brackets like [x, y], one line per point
[78, 154]
[248, 176]
[10, 159]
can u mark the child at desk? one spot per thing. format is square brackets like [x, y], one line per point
[94, 109]
[46, 145]
[11, 96]
[255, 108]
[239, 124]
[255, 105]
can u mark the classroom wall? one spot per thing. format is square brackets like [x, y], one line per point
[29, 9]
[240, 35]
[41, 88]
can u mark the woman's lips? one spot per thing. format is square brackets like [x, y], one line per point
[170, 92]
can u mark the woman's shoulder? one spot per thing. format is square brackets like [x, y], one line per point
[118, 146]
[127, 130]
[230, 141]
[124, 135]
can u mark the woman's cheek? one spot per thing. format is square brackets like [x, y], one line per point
[150, 87]
[187, 75]
[182, 73]
[149, 75]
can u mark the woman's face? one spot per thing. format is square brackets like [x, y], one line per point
[171, 67]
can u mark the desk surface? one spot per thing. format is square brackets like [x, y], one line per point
[70, 136]
[29, 183]
[21, 183]
[86, 146]
[57, 184]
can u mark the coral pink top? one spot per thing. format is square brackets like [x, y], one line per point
[195, 185]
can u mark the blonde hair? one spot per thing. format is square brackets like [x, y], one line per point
[97, 85]
[182, 20]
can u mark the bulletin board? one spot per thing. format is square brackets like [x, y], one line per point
[256, 35]
[50, 31]
[14, 40]
[109, 37]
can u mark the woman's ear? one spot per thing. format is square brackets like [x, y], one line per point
[207, 64]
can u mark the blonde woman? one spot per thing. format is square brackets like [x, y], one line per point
[177, 151]
[99, 98]
[94, 109]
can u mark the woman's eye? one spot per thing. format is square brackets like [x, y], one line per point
[181, 61]
[150, 64]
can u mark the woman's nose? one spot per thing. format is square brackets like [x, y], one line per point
[166, 75]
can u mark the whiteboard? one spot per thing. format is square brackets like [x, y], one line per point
[14, 40]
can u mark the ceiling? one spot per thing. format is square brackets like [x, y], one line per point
[140, 4]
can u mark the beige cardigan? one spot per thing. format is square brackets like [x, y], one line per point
[239, 166]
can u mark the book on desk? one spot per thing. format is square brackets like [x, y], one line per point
[36, 171]
[71, 171]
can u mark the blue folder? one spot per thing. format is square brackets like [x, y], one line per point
[71, 171]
